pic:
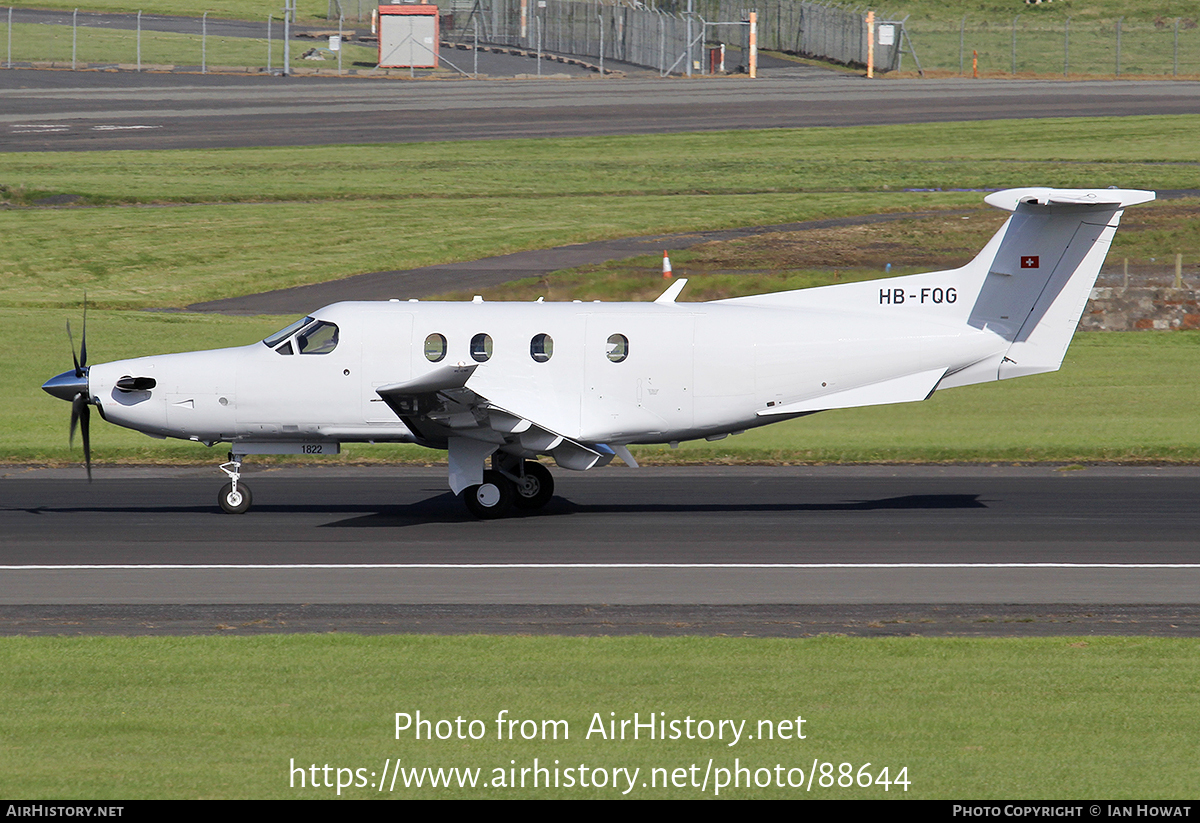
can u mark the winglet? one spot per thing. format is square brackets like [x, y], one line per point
[672, 292]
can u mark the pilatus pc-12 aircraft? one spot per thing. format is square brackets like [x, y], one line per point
[506, 383]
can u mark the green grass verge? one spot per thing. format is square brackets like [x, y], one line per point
[143, 257]
[946, 32]
[306, 215]
[1077, 10]
[194, 717]
[312, 11]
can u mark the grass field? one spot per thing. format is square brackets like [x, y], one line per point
[229, 717]
[306, 10]
[308, 215]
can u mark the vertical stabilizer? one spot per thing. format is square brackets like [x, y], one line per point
[1043, 271]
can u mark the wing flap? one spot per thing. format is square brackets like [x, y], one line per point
[443, 412]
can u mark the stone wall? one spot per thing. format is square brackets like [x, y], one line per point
[1141, 307]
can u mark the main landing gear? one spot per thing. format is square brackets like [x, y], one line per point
[524, 484]
[234, 497]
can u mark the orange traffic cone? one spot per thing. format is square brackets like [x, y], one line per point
[666, 267]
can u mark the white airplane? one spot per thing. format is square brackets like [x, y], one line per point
[581, 382]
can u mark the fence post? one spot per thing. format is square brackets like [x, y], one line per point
[689, 39]
[600, 15]
[1175, 65]
[287, 54]
[10, 37]
[139, 40]
[753, 45]
[269, 16]
[74, 14]
[870, 44]
[341, 21]
[204, 43]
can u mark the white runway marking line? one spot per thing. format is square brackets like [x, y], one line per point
[568, 566]
[38, 128]
[123, 128]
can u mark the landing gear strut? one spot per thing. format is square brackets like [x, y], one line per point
[234, 497]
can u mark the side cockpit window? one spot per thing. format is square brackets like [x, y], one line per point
[321, 338]
[312, 336]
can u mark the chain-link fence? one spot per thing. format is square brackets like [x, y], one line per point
[79, 40]
[1024, 45]
[671, 37]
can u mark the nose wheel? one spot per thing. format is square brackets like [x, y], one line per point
[234, 500]
[234, 497]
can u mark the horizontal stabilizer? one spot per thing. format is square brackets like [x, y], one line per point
[1009, 199]
[908, 389]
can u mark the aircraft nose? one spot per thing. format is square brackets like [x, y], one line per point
[67, 385]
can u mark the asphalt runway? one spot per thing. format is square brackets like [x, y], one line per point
[1040, 537]
[63, 110]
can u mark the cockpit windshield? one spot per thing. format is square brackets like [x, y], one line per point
[281, 335]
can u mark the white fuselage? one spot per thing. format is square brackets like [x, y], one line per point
[691, 369]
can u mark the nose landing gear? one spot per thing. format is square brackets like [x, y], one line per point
[234, 497]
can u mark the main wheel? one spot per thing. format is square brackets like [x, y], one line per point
[234, 502]
[490, 499]
[535, 489]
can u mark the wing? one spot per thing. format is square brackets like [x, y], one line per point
[442, 412]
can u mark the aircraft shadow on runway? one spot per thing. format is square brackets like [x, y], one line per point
[445, 508]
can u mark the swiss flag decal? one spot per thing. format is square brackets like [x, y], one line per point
[1030, 261]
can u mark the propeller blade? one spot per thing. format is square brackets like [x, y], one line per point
[71, 340]
[81, 414]
[87, 440]
[83, 337]
[76, 404]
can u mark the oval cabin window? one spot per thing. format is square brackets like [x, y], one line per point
[435, 347]
[618, 347]
[481, 348]
[541, 347]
